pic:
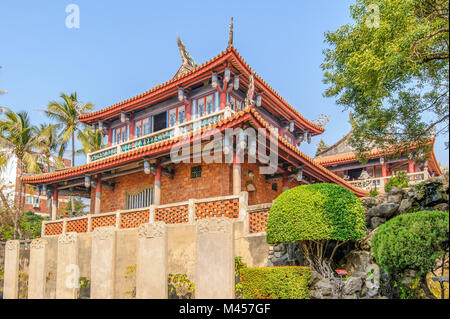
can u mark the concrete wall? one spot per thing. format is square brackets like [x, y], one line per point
[182, 243]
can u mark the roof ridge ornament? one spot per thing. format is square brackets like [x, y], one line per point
[251, 89]
[188, 63]
[230, 35]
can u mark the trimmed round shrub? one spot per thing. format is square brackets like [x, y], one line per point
[411, 241]
[316, 212]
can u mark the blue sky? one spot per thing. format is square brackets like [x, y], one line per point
[124, 48]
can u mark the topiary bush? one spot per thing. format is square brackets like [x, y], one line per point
[412, 241]
[287, 282]
[312, 215]
[400, 180]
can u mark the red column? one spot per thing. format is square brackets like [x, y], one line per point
[157, 187]
[98, 195]
[55, 202]
[411, 168]
[384, 171]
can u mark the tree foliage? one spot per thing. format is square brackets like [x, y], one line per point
[412, 241]
[320, 218]
[316, 212]
[390, 67]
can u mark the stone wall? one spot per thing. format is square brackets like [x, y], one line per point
[181, 256]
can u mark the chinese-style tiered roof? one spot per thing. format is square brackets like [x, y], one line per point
[163, 91]
[248, 114]
[333, 156]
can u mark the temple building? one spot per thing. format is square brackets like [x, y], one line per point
[134, 171]
[341, 159]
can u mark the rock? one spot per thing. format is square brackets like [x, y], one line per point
[384, 210]
[386, 284]
[322, 288]
[352, 285]
[370, 201]
[357, 261]
[396, 191]
[405, 206]
[350, 297]
[397, 198]
[408, 277]
[277, 254]
[377, 221]
[277, 248]
[442, 207]
[365, 243]
[372, 280]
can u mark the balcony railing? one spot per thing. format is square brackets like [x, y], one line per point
[165, 134]
[379, 182]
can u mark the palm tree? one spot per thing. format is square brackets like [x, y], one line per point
[18, 137]
[90, 140]
[50, 145]
[66, 115]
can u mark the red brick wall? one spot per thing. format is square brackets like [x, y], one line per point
[216, 180]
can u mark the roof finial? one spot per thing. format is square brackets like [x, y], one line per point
[230, 36]
[188, 63]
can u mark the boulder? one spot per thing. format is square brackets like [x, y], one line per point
[357, 261]
[384, 210]
[323, 288]
[352, 285]
[377, 221]
[406, 205]
[372, 282]
[396, 191]
[442, 207]
[397, 198]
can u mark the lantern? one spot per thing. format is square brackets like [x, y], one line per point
[300, 173]
[180, 94]
[44, 189]
[147, 169]
[236, 83]
[291, 126]
[123, 117]
[100, 125]
[87, 181]
[258, 100]
[227, 75]
[214, 80]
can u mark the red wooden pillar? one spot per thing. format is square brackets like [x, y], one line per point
[411, 168]
[158, 184]
[98, 195]
[55, 202]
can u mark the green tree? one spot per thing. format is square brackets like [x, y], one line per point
[319, 218]
[390, 67]
[18, 138]
[321, 146]
[91, 141]
[49, 146]
[78, 207]
[66, 113]
[413, 241]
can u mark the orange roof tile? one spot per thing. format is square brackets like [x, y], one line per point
[154, 148]
[230, 52]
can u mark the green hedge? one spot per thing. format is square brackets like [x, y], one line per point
[411, 241]
[287, 282]
[314, 212]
